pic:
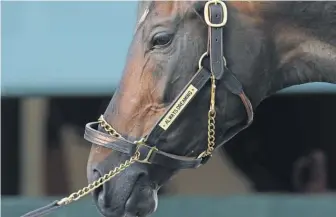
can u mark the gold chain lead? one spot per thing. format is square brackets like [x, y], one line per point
[99, 182]
[109, 129]
[211, 118]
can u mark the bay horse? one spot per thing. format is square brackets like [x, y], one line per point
[267, 46]
[195, 72]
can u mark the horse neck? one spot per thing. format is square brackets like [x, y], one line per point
[304, 57]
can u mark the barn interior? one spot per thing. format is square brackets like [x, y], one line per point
[292, 148]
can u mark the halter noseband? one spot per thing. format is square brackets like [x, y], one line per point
[144, 150]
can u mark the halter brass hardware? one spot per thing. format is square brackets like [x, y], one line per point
[207, 15]
[151, 151]
[203, 154]
[201, 60]
[203, 56]
[213, 94]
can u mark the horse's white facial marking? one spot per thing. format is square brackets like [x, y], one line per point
[144, 15]
[142, 19]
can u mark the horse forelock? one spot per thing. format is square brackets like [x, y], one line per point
[163, 8]
[180, 8]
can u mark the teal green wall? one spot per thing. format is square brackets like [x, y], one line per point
[64, 46]
[68, 47]
[234, 206]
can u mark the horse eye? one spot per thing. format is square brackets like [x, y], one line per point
[161, 39]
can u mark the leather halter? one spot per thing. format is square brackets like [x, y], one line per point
[212, 67]
[215, 14]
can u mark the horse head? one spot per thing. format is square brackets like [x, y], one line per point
[193, 74]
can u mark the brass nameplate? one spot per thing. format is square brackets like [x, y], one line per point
[180, 104]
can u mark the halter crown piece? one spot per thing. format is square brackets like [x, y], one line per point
[144, 150]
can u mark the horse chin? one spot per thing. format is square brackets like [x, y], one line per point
[142, 202]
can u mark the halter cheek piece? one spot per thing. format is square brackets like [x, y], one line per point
[144, 150]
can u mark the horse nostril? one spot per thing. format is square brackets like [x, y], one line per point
[102, 196]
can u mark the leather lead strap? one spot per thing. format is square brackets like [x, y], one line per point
[43, 210]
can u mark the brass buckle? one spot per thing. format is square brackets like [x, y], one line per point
[203, 154]
[203, 56]
[152, 149]
[207, 17]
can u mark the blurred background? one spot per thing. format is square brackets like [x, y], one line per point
[61, 62]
